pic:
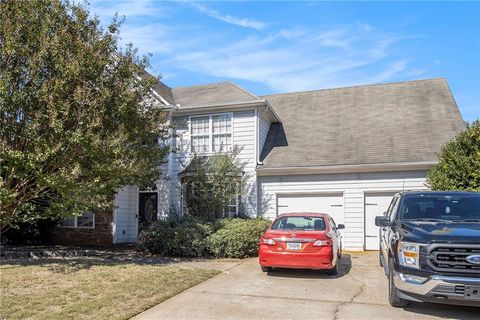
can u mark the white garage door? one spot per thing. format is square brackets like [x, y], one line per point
[328, 203]
[375, 205]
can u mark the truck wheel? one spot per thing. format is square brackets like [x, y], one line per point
[393, 298]
[266, 269]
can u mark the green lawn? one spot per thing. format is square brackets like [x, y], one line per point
[89, 288]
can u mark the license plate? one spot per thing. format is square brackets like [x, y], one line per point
[472, 292]
[294, 246]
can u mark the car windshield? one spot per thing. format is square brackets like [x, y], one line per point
[304, 223]
[453, 207]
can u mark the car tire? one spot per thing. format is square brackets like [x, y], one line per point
[334, 270]
[266, 269]
[393, 298]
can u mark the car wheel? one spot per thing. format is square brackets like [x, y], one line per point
[266, 269]
[334, 270]
[393, 298]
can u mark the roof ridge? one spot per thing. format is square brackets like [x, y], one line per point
[354, 86]
[244, 90]
[200, 85]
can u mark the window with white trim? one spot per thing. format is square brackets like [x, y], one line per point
[211, 133]
[86, 220]
[231, 210]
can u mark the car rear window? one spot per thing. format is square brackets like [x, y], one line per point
[446, 207]
[304, 223]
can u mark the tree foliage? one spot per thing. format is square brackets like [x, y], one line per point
[459, 162]
[211, 183]
[76, 120]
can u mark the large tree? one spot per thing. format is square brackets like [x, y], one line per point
[458, 165]
[76, 120]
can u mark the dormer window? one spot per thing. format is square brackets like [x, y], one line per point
[211, 133]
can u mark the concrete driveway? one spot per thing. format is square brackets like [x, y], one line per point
[244, 292]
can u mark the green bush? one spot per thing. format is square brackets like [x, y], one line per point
[225, 238]
[237, 238]
[176, 238]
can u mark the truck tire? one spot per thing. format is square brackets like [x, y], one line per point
[393, 298]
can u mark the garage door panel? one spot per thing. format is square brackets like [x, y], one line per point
[375, 205]
[331, 204]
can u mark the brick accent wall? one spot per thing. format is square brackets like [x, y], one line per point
[101, 235]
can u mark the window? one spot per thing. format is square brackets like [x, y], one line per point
[231, 210]
[299, 223]
[86, 220]
[211, 133]
[451, 207]
[200, 133]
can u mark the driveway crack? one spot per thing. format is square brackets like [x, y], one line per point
[360, 291]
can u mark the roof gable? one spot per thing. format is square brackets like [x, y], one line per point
[211, 94]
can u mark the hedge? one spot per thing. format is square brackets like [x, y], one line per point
[225, 238]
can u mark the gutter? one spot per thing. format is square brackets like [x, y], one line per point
[349, 168]
[225, 106]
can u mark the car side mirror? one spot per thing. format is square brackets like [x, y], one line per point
[382, 221]
[341, 226]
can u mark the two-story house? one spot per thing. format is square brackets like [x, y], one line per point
[342, 151]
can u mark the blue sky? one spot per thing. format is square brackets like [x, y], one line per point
[270, 47]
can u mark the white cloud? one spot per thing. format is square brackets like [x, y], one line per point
[106, 9]
[330, 58]
[242, 22]
[288, 59]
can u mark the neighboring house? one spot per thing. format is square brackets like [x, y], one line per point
[342, 151]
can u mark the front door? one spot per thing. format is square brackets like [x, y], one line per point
[147, 210]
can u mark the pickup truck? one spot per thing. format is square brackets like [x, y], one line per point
[430, 247]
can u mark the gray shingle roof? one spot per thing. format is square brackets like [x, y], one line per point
[161, 88]
[388, 123]
[211, 94]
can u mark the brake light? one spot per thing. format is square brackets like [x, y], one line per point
[322, 243]
[270, 242]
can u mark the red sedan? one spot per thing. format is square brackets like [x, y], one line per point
[301, 240]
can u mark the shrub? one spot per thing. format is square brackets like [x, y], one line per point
[458, 165]
[237, 238]
[225, 238]
[176, 238]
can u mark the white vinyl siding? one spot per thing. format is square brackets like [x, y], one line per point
[242, 135]
[353, 186]
[244, 124]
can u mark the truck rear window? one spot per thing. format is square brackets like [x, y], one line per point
[444, 207]
[304, 223]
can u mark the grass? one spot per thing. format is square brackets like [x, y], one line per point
[89, 288]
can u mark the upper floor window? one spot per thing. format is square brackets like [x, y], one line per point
[211, 133]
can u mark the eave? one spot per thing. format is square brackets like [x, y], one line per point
[350, 168]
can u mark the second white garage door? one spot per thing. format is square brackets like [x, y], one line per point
[323, 203]
[375, 205]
